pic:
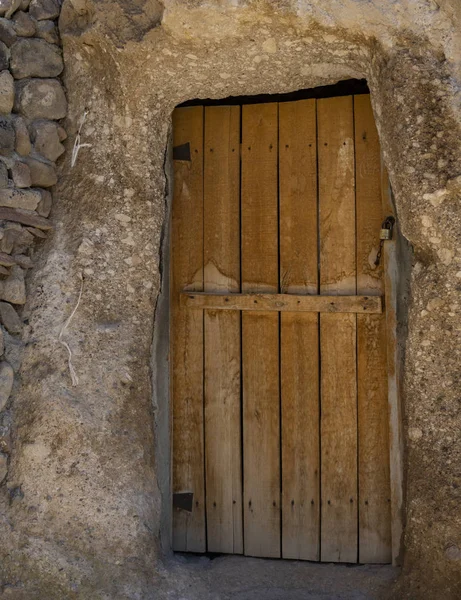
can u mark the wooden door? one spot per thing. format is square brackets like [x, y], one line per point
[278, 333]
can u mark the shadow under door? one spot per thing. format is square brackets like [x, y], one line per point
[278, 332]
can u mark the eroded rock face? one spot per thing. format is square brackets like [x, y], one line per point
[126, 70]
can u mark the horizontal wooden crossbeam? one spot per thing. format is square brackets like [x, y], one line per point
[282, 302]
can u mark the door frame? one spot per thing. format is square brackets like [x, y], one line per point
[395, 256]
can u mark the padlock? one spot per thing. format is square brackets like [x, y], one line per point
[385, 234]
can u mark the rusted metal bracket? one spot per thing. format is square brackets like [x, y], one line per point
[183, 501]
[182, 152]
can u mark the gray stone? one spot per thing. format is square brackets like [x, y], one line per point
[7, 7]
[21, 176]
[10, 318]
[14, 349]
[4, 56]
[22, 144]
[13, 288]
[24, 25]
[43, 174]
[40, 99]
[44, 206]
[24, 4]
[62, 133]
[3, 175]
[16, 239]
[2, 349]
[6, 383]
[3, 466]
[6, 92]
[35, 58]
[24, 261]
[46, 140]
[47, 31]
[8, 239]
[19, 198]
[7, 33]
[7, 137]
[44, 9]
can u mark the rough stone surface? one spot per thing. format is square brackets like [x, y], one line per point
[44, 9]
[46, 139]
[3, 466]
[6, 383]
[93, 449]
[7, 136]
[22, 143]
[20, 173]
[44, 206]
[18, 198]
[40, 99]
[7, 7]
[3, 176]
[7, 32]
[10, 318]
[6, 92]
[12, 289]
[24, 25]
[35, 58]
[47, 30]
[42, 174]
[14, 349]
[4, 56]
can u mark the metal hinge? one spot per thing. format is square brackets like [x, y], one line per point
[183, 501]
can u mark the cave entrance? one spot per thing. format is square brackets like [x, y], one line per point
[279, 331]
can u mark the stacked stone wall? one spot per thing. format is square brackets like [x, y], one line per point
[32, 100]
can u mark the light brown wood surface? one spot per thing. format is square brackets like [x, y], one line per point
[187, 333]
[299, 332]
[337, 331]
[260, 332]
[223, 459]
[282, 302]
[373, 419]
[281, 421]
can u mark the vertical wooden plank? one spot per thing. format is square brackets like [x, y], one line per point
[337, 331]
[299, 331]
[222, 331]
[260, 332]
[187, 332]
[373, 418]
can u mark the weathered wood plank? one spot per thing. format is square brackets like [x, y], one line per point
[222, 331]
[282, 302]
[299, 332]
[373, 418]
[260, 332]
[187, 332]
[337, 331]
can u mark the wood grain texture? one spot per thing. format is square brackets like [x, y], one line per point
[282, 302]
[187, 332]
[395, 362]
[222, 331]
[338, 331]
[373, 418]
[260, 332]
[299, 332]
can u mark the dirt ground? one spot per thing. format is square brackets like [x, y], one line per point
[242, 578]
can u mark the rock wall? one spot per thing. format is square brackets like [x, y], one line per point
[87, 487]
[32, 100]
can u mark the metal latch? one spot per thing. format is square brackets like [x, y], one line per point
[183, 501]
[385, 234]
